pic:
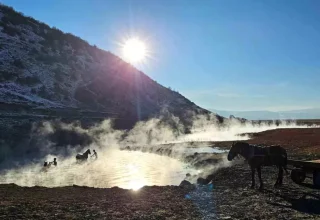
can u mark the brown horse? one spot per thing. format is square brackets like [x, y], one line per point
[261, 156]
[83, 157]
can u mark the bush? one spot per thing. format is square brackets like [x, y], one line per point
[43, 92]
[33, 90]
[29, 80]
[58, 75]
[12, 31]
[18, 63]
[34, 51]
[76, 42]
[5, 76]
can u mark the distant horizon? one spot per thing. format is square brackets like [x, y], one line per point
[310, 113]
[266, 110]
[247, 55]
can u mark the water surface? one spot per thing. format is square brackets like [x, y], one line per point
[124, 169]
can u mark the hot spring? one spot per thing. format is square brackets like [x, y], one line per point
[130, 170]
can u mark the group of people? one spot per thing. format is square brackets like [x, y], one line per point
[55, 163]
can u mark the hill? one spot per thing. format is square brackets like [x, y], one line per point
[43, 68]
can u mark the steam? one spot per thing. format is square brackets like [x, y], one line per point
[203, 130]
[113, 168]
[123, 168]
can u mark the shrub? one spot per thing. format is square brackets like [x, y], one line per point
[18, 63]
[34, 51]
[33, 90]
[43, 92]
[5, 76]
[58, 75]
[29, 80]
[12, 31]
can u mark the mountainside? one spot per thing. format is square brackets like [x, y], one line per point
[42, 67]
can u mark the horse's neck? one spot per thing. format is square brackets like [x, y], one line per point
[247, 152]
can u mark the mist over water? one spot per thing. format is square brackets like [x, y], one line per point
[129, 169]
[124, 169]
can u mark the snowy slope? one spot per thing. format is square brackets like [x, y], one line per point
[44, 67]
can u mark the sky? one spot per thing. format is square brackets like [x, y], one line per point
[220, 54]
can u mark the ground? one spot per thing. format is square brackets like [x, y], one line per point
[229, 197]
[299, 142]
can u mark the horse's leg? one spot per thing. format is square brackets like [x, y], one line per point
[252, 176]
[280, 175]
[278, 178]
[260, 179]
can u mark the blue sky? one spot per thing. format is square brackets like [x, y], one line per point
[221, 54]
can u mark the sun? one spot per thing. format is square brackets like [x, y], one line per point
[134, 50]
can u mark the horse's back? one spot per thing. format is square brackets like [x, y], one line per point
[277, 150]
[270, 155]
[259, 151]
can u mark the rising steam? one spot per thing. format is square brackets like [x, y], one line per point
[122, 168]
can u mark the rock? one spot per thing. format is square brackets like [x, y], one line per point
[210, 177]
[202, 181]
[187, 184]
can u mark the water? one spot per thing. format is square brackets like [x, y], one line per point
[192, 150]
[124, 169]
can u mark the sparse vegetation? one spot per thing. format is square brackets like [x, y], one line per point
[29, 80]
[58, 75]
[12, 31]
[33, 51]
[6, 76]
[43, 92]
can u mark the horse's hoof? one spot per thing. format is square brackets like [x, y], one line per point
[260, 188]
[252, 187]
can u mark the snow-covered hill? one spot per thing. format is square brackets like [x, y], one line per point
[42, 67]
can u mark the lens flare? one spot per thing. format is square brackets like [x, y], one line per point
[134, 50]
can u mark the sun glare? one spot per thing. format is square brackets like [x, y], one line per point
[135, 185]
[134, 50]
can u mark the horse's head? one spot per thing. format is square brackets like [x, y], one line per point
[237, 148]
[234, 151]
[89, 152]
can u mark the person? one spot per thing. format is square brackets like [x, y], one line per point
[95, 154]
[55, 162]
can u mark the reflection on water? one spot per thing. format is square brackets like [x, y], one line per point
[124, 169]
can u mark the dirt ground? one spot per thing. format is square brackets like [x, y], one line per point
[228, 197]
[300, 143]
